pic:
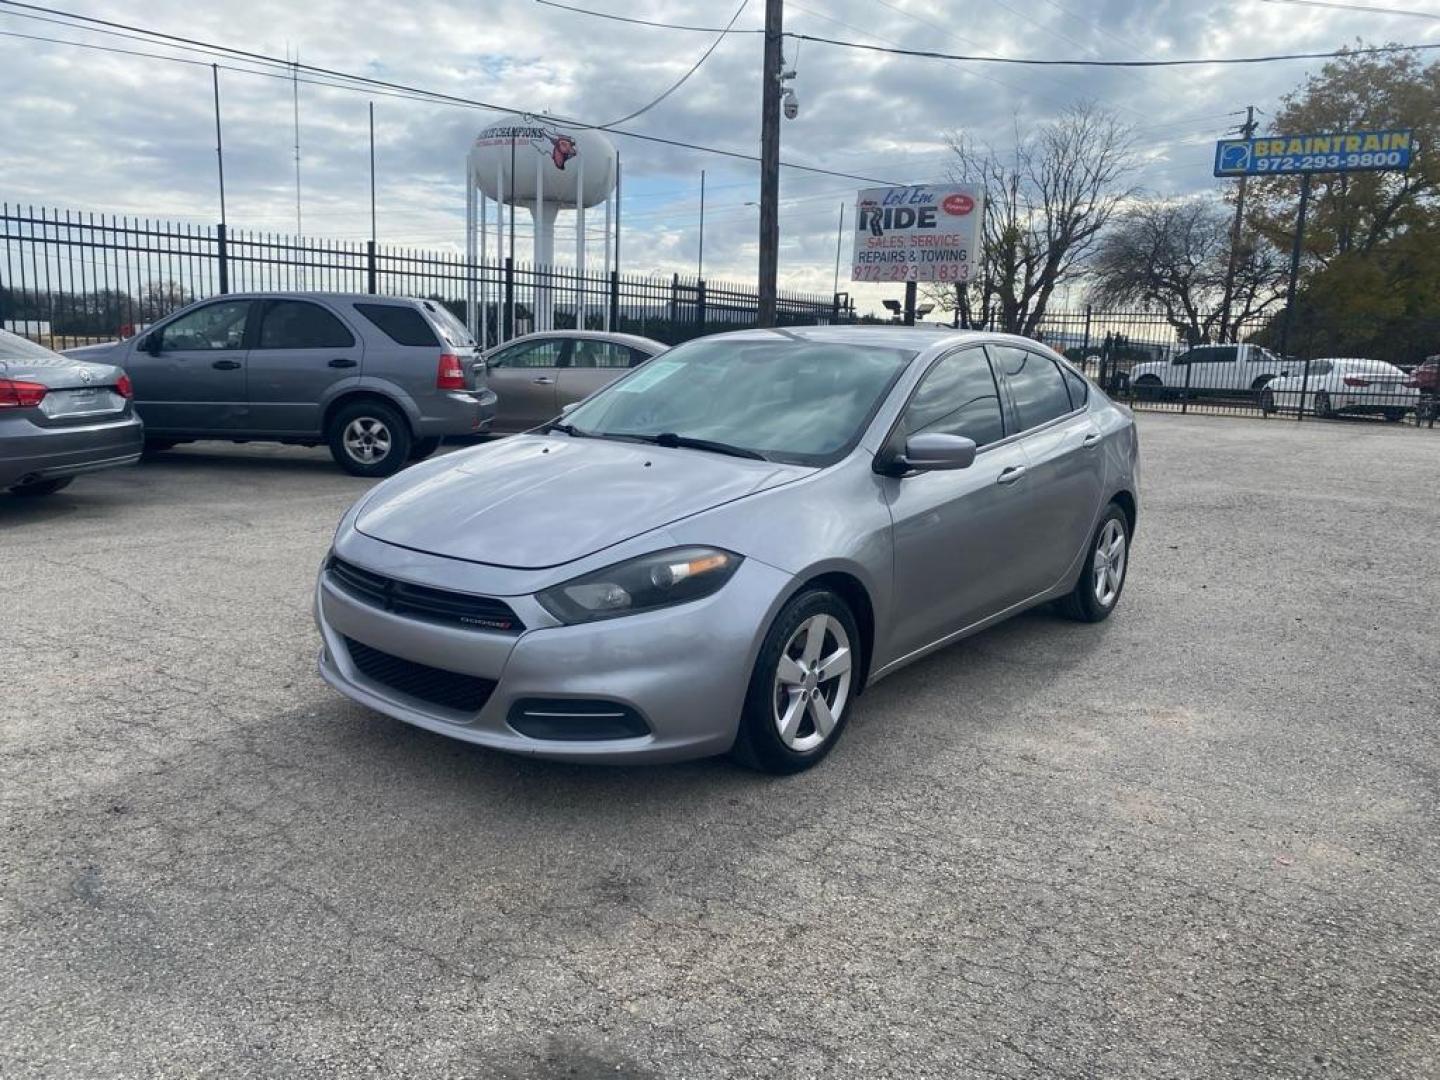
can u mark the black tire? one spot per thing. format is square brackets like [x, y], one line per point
[1084, 603]
[758, 742]
[42, 487]
[388, 448]
[1267, 402]
[1148, 387]
[1394, 416]
[1262, 382]
[1322, 405]
[158, 446]
[420, 449]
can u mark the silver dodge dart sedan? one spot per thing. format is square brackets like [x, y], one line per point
[719, 551]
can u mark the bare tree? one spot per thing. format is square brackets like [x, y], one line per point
[1046, 203]
[1172, 256]
[159, 298]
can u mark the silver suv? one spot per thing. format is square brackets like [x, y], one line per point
[379, 379]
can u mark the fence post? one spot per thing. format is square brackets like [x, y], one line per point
[700, 305]
[221, 250]
[1304, 386]
[508, 316]
[1185, 398]
[674, 299]
[615, 300]
[835, 309]
[370, 266]
[1084, 359]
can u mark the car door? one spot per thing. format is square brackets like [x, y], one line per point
[300, 349]
[1065, 478]
[1214, 368]
[189, 373]
[523, 376]
[593, 364]
[955, 533]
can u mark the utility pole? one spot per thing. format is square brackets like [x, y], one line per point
[770, 160]
[700, 258]
[219, 144]
[372, 172]
[839, 240]
[1247, 131]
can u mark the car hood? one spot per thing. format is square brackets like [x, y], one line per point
[534, 501]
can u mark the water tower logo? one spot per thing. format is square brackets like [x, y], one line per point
[562, 148]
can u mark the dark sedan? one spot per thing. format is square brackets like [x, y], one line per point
[60, 417]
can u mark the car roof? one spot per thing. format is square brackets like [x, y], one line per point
[315, 294]
[916, 338]
[590, 335]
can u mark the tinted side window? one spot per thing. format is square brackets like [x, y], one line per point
[530, 354]
[295, 324]
[1224, 354]
[957, 396]
[1079, 389]
[637, 357]
[1035, 384]
[598, 354]
[212, 327]
[402, 325]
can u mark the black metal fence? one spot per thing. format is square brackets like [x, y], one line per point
[1143, 359]
[68, 278]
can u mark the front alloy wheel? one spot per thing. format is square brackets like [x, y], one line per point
[807, 670]
[812, 683]
[1107, 567]
[369, 438]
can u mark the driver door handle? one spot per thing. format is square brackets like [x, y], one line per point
[1011, 474]
[1093, 439]
[342, 361]
[543, 380]
[225, 365]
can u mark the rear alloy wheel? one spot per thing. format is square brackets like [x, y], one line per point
[1102, 576]
[1322, 405]
[369, 438]
[36, 488]
[801, 688]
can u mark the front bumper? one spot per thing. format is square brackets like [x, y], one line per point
[685, 670]
[29, 452]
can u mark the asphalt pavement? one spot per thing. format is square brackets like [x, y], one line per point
[1200, 840]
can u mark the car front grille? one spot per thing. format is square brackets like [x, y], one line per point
[423, 602]
[448, 689]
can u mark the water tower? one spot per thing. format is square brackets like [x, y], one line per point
[532, 162]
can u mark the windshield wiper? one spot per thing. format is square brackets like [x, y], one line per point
[672, 440]
[568, 429]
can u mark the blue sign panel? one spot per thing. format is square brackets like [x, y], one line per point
[1341, 151]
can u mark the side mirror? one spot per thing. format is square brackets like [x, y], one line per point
[150, 343]
[566, 410]
[935, 452]
[1284, 373]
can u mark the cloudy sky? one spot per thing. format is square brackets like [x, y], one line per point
[104, 131]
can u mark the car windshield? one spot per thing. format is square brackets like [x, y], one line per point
[15, 347]
[782, 397]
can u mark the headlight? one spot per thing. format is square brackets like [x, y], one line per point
[660, 580]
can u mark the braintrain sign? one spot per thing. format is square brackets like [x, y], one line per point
[929, 232]
[1340, 151]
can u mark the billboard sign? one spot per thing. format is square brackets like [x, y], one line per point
[927, 232]
[1340, 151]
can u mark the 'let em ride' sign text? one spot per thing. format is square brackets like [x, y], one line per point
[928, 232]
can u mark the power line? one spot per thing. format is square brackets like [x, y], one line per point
[1358, 7]
[432, 95]
[646, 22]
[693, 68]
[1038, 62]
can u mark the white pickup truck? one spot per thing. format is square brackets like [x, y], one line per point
[1211, 367]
